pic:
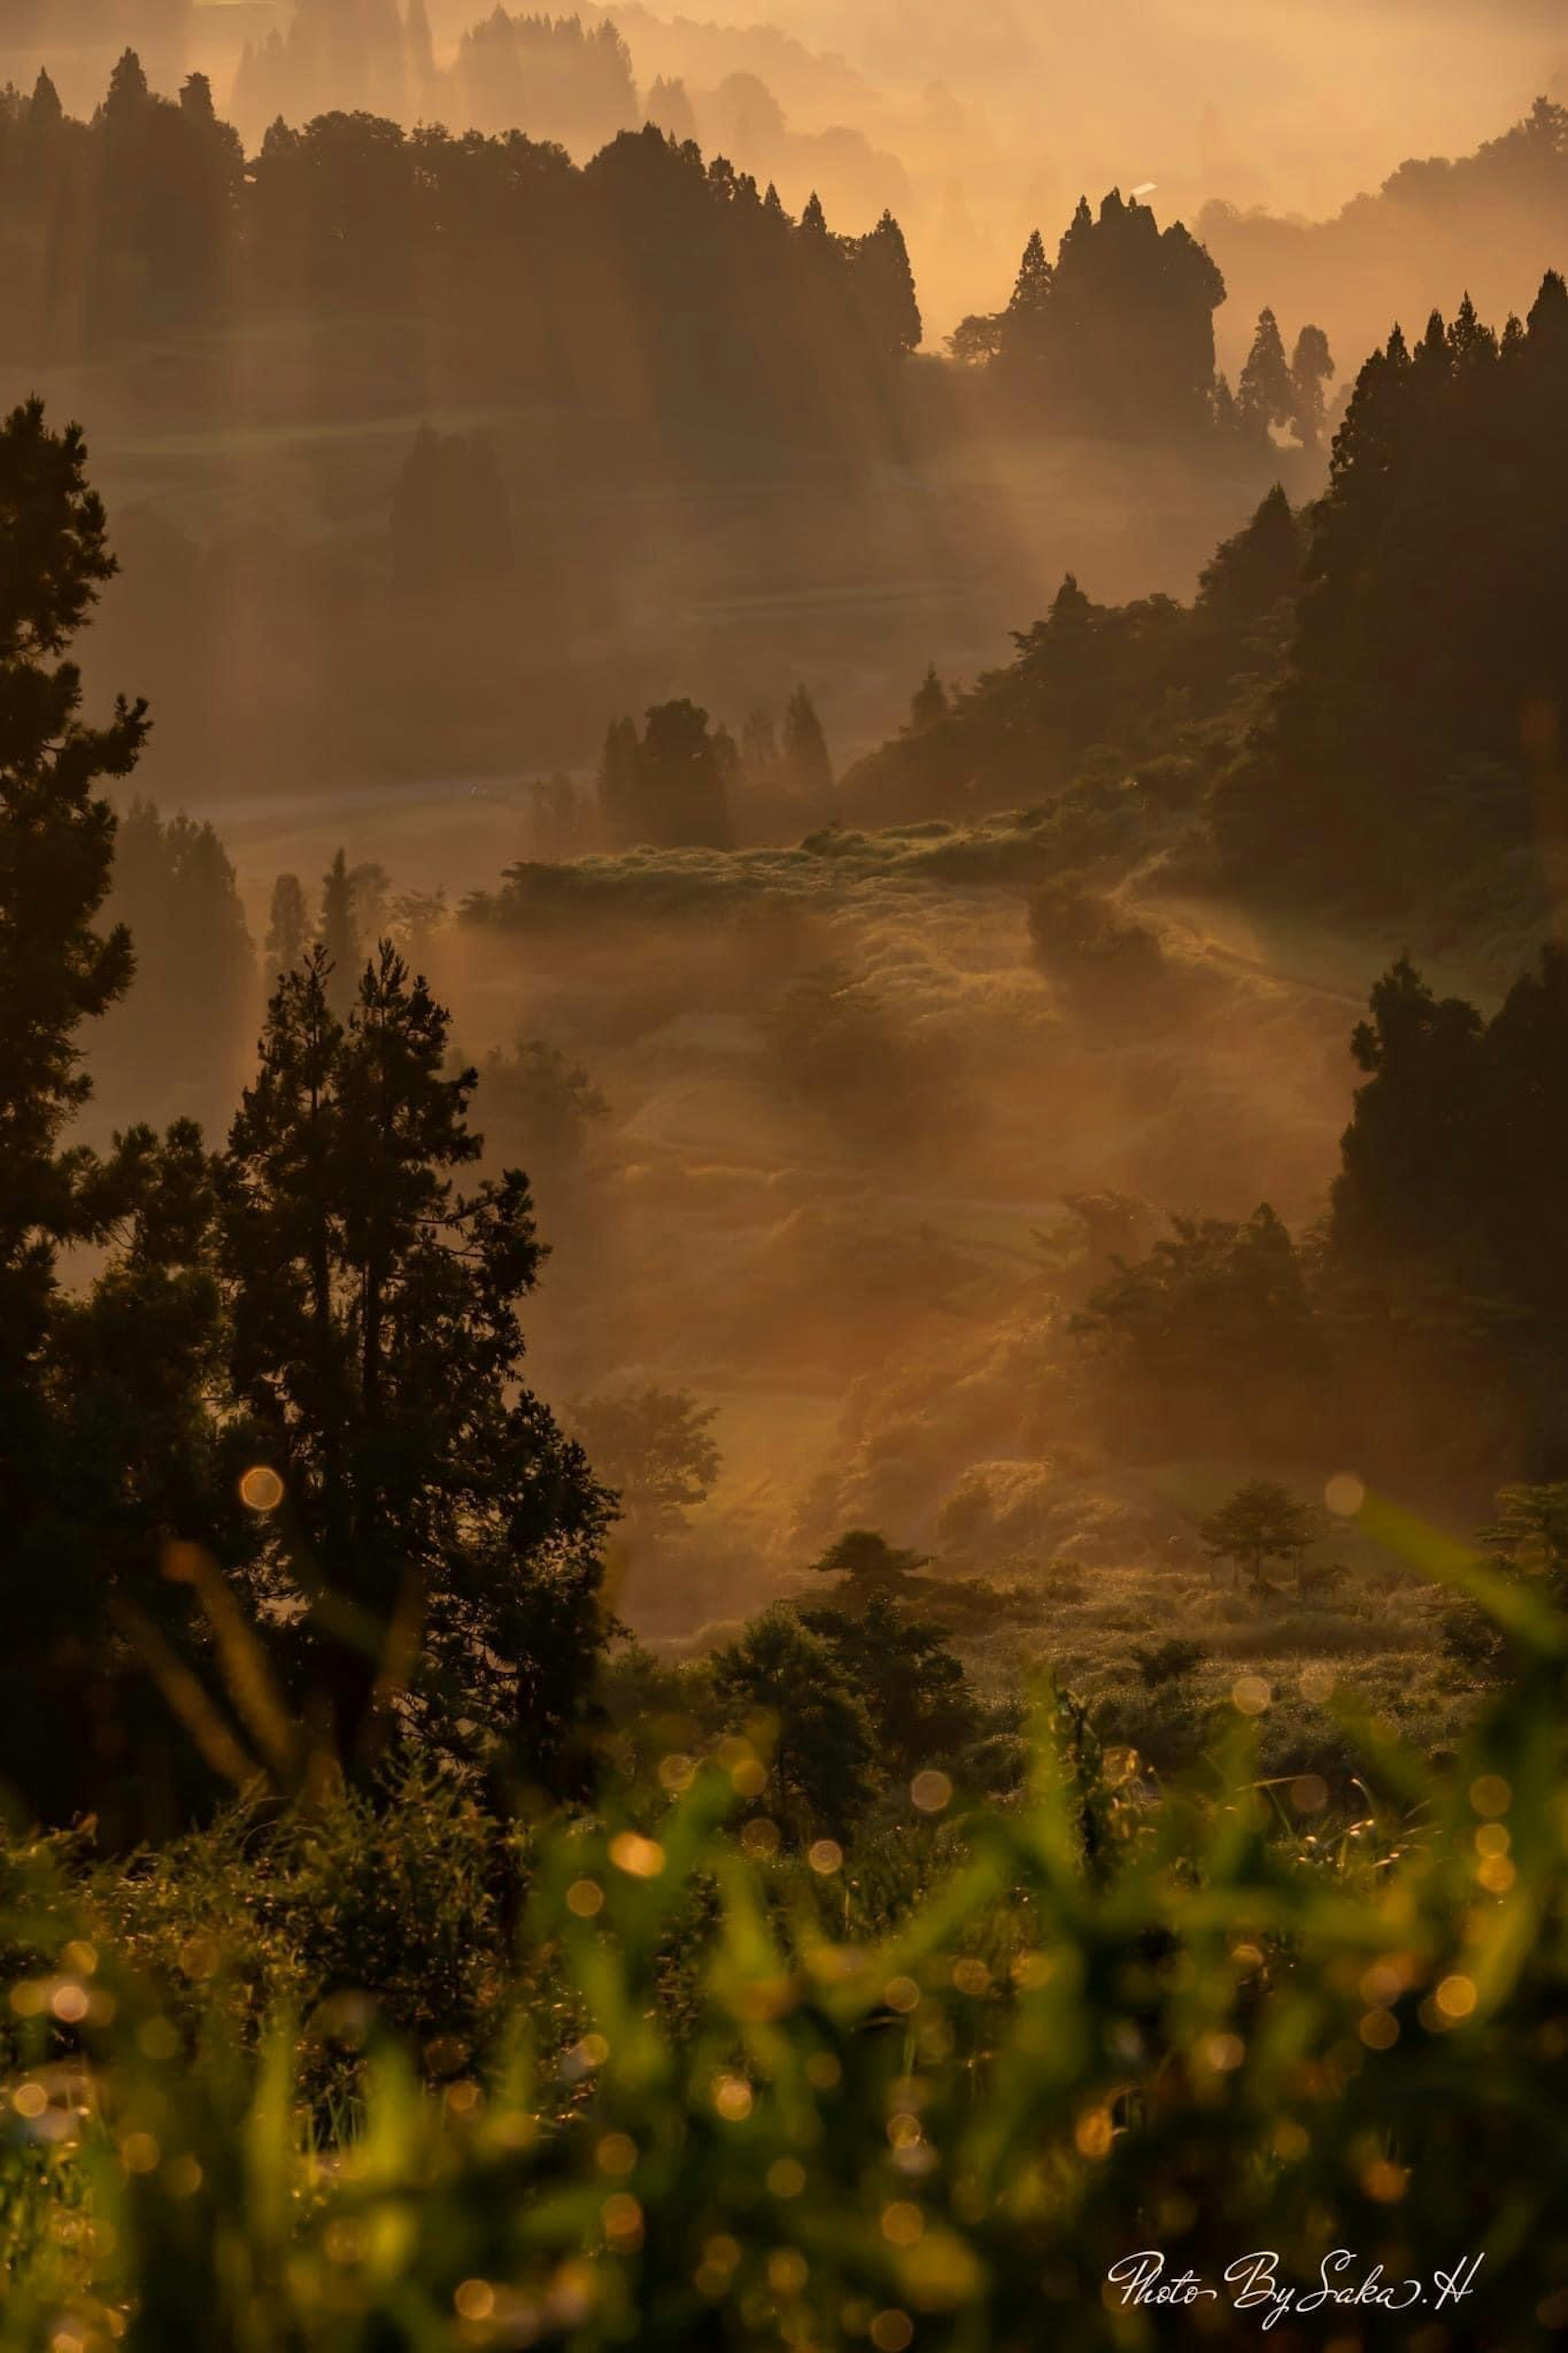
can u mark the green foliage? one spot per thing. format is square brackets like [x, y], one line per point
[960, 2077]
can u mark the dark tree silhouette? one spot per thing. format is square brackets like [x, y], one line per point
[1117, 337]
[288, 927]
[1266, 394]
[56, 837]
[441, 1533]
[339, 934]
[805, 763]
[1311, 370]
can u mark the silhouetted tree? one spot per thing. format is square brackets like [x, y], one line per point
[440, 1535]
[804, 759]
[823, 1748]
[1312, 369]
[57, 837]
[1251, 575]
[912, 1680]
[1266, 394]
[1419, 709]
[188, 1012]
[869, 1566]
[1261, 1522]
[619, 782]
[672, 787]
[107, 1442]
[930, 704]
[288, 926]
[339, 934]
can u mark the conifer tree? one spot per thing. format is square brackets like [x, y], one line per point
[930, 704]
[43, 109]
[1312, 369]
[807, 764]
[1266, 394]
[440, 1536]
[288, 927]
[622, 818]
[886, 284]
[105, 1442]
[1027, 322]
[340, 934]
[57, 839]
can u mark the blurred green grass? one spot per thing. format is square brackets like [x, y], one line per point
[389, 2072]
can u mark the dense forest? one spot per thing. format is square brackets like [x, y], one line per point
[684, 285]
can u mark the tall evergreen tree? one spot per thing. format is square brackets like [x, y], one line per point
[1266, 394]
[1027, 322]
[885, 284]
[930, 703]
[340, 935]
[288, 926]
[1311, 370]
[807, 763]
[107, 1445]
[441, 1534]
[57, 839]
[621, 814]
[683, 779]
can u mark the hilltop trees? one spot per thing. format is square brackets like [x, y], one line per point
[670, 784]
[1116, 336]
[648, 284]
[1289, 395]
[1427, 672]
[785, 780]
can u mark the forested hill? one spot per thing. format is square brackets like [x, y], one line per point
[647, 281]
[1364, 701]
[650, 283]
